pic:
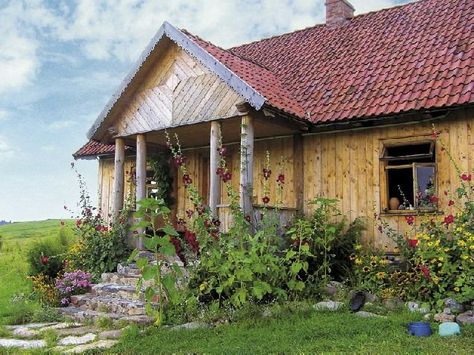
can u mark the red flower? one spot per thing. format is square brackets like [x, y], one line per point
[220, 171]
[434, 199]
[448, 219]
[281, 179]
[222, 151]
[266, 173]
[412, 243]
[200, 209]
[190, 238]
[181, 222]
[410, 220]
[450, 203]
[425, 271]
[227, 177]
[189, 213]
[435, 134]
[266, 200]
[78, 223]
[44, 259]
[179, 160]
[216, 222]
[247, 218]
[187, 180]
[466, 177]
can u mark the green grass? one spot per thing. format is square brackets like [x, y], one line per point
[16, 239]
[299, 332]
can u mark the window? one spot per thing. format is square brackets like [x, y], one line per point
[410, 172]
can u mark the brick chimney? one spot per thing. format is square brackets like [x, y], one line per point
[338, 11]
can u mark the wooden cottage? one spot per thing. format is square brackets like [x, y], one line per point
[348, 105]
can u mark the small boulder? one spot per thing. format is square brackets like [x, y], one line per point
[110, 334]
[455, 306]
[365, 314]
[392, 303]
[466, 318]
[443, 317]
[77, 340]
[328, 306]
[449, 328]
[192, 325]
[332, 288]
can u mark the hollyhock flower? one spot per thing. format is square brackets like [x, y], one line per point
[179, 160]
[425, 271]
[200, 209]
[266, 173]
[181, 222]
[450, 203]
[281, 179]
[222, 151]
[412, 243]
[448, 219]
[187, 180]
[434, 199]
[220, 171]
[410, 220]
[190, 238]
[44, 259]
[189, 213]
[227, 177]
[216, 222]
[266, 200]
[466, 177]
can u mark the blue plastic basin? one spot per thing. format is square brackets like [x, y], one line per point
[419, 329]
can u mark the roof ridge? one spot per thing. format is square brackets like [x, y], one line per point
[392, 8]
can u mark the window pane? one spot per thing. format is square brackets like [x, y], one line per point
[400, 186]
[426, 189]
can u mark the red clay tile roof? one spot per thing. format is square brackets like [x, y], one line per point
[412, 57]
[93, 148]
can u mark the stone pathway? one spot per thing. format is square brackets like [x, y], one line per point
[71, 337]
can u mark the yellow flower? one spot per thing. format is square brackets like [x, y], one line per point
[456, 289]
[358, 247]
[358, 261]
[380, 275]
[440, 258]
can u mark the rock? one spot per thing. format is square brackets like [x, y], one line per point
[64, 325]
[428, 317]
[328, 306]
[25, 332]
[101, 344]
[111, 334]
[192, 325]
[24, 344]
[447, 310]
[76, 331]
[466, 318]
[416, 307]
[332, 288]
[369, 297]
[267, 313]
[455, 306]
[365, 314]
[29, 326]
[77, 340]
[449, 328]
[443, 317]
[392, 303]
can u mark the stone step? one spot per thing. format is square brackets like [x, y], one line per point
[117, 291]
[78, 314]
[118, 279]
[123, 306]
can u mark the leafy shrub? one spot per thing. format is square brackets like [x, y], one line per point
[101, 245]
[322, 244]
[44, 290]
[46, 257]
[72, 283]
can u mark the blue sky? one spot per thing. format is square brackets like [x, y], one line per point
[60, 61]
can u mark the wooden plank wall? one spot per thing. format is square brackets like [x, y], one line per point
[178, 91]
[347, 166]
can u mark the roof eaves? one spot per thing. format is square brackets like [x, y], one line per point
[253, 97]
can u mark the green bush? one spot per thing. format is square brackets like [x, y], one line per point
[46, 257]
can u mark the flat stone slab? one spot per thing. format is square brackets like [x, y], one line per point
[77, 340]
[192, 325]
[64, 325]
[101, 344]
[23, 344]
[328, 306]
[25, 332]
[76, 331]
[364, 314]
[30, 325]
[110, 334]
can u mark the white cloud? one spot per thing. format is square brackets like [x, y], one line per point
[6, 150]
[62, 124]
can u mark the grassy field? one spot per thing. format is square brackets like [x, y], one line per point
[299, 332]
[15, 241]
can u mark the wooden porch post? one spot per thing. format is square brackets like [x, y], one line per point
[215, 182]
[298, 172]
[141, 176]
[118, 176]
[246, 165]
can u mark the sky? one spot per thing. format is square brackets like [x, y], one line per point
[60, 61]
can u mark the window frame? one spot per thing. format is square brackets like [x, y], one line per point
[385, 167]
